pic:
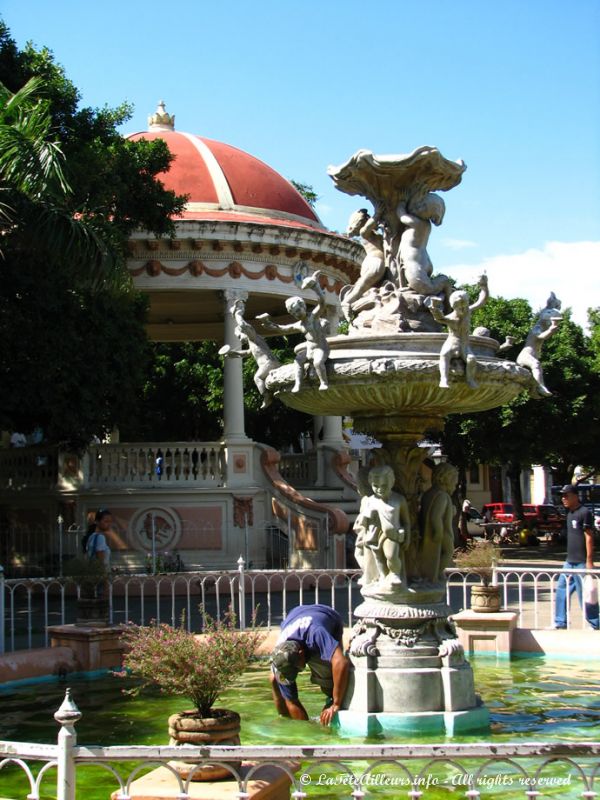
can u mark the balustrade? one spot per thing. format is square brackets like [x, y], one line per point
[198, 464]
[183, 463]
[299, 469]
[28, 467]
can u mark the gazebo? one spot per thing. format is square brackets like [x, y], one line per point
[246, 233]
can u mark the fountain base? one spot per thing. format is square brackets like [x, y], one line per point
[444, 723]
[409, 674]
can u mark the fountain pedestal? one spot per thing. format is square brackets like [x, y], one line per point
[410, 674]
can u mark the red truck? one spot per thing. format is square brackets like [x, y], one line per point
[543, 518]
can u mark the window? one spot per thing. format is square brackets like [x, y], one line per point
[474, 473]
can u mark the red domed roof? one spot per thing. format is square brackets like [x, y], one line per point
[225, 183]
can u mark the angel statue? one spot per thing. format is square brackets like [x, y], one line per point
[544, 327]
[256, 347]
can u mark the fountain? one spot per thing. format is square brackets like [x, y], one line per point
[398, 373]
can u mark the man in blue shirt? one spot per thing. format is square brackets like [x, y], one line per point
[580, 555]
[310, 636]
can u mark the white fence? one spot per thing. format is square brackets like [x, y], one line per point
[33, 604]
[467, 770]
[30, 605]
[530, 591]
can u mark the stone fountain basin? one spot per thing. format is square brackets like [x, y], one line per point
[398, 374]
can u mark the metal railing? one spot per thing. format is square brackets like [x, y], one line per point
[531, 770]
[31, 605]
[530, 591]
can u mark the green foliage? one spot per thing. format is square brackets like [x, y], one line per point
[72, 361]
[189, 378]
[560, 431]
[504, 318]
[594, 324]
[307, 192]
[74, 345]
[179, 663]
[479, 557]
[88, 573]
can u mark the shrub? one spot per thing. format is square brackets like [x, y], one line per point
[88, 573]
[180, 663]
[479, 557]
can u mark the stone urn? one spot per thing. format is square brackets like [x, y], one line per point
[485, 598]
[223, 728]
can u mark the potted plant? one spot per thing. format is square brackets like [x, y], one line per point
[480, 558]
[90, 575]
[199, 668]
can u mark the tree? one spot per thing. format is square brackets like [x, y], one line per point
[594, 324]
[72, 328]
[189, 377]
[307, 192]
[560, 431]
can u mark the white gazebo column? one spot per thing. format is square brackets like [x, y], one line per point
[332, 426]
[332, 432]
[233, 381]
[332, 436]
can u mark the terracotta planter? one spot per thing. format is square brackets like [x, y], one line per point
[485, 599]
[188, 728]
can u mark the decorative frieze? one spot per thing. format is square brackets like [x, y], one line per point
[234, 270]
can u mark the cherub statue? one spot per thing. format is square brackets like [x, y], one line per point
[257, 348]
[383, 532]
[437, 512]
[373, 266]
[416, 217]
[458, 322]
[544, 327]
[311, 324]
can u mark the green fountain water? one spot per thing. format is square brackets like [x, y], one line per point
[530, 698]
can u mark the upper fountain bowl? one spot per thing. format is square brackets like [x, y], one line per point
[372, 377]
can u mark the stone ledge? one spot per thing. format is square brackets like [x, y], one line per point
[38, 663]
[94, 648]
[486, 633]
[578, 643]
[160, 784]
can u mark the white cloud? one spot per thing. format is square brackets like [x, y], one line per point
[458, 244]
[569, 269]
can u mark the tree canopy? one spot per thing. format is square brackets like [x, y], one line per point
[560, 431]
[72, 191]
[183, 398]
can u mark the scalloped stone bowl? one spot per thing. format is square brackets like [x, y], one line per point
[374, 376]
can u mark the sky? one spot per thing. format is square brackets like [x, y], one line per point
[512, 87]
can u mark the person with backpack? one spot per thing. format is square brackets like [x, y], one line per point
[96, 545]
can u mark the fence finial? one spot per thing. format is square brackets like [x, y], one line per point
[68, 713]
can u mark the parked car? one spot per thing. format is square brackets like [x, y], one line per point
[498, 512]
[540, 518]
[545, 518]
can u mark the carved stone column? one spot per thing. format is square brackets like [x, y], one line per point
[233, 389]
